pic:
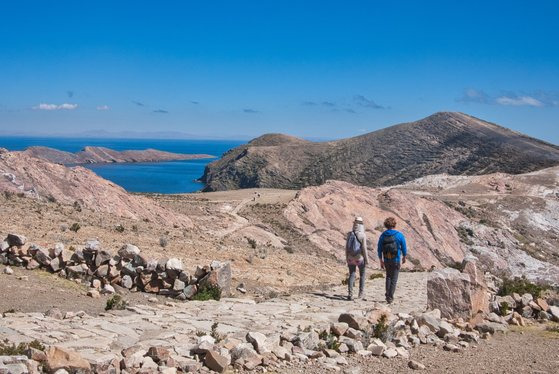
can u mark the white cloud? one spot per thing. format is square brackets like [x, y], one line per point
[103, 107]
[519, 101]
[64, 106]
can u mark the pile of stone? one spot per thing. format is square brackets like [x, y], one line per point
[516, 309]
[128, 268]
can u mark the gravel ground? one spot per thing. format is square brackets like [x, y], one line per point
[521, 350]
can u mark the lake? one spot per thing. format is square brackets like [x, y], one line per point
[159, 177]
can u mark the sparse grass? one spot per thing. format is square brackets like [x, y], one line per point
[9, 311]
[214, 334]
[252, 243]
[521, 286]
[208, 292]
[7, 349]
[77, 206]
[116, 302]
[465, 233]
[75, 227]
[376, 276]
[330, 339]
[200, 333]
[553, 328]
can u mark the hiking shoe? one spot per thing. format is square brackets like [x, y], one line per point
[389, 301]
[360, 296]
[349, 297]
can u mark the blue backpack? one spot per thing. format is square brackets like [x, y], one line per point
[353, 245]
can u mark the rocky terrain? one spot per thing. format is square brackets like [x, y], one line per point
[452, 143]
[96, 155]
[31, 177]
[509, 221]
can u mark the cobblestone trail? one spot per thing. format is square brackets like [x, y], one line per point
[175, 324]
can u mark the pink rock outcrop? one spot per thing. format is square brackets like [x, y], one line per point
[325, 214]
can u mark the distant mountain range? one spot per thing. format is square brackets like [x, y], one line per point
[96, 155]
[445, 142]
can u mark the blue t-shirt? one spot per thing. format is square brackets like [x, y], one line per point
[400, 242]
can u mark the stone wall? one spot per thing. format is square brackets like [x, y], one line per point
[128, 268]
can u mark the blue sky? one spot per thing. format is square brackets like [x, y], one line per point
[324, 69]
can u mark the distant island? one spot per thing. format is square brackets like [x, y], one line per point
[98, 155]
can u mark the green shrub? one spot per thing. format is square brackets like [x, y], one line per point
[381, 328]
[252, 243]
[208, 292]
[214, 334]
[116, 302]
[330, 339]
[504, 308]
[521, 286]
[7, 349]
[75, 227]
[376, 276]
[119, 228]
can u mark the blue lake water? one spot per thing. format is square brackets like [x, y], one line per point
[160, 177]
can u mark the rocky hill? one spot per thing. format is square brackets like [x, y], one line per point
[36, 178]
[452, 143]
[95, 155]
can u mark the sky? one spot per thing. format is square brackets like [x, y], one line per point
[235, 69]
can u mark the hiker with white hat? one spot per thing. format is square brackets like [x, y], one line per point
[356, 256]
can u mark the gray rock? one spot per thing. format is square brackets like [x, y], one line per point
[42, 256]
[190, 291]
[4, 246]
[128, 251]
[527, 311]
[174, 264]
[426, 319]
[56, 250]
[55, 264]
[416, 365]
[390, 353]
[178, 285]
[54, 313]
[544, 315]
[491, 327]
[554, 311]
[526, 298]
[16, 240]
[8, 270]
[102, 257]
[354, 321]
[127, 282]
[258, 340]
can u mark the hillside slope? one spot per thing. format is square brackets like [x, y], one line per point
[39, 179]
[452, 143]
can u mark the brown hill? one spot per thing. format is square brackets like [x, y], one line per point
[94, 155]
[40, 179]
[452, 143]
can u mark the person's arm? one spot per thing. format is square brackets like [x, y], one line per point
[365, 251]
[379, 251]
[403, 247]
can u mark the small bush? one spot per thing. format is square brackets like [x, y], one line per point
[521, 286]
[50, 199]
[135, 228]
[208, 292]
[465, 233]
[163, 241]
[252, 243]
[553, 328]
[376, 276]
[116, 302]
[200, 333]
[119, 228]
[77, 206]
[8, 312]
[7, 349]
[504, 308]
[381, 328]
[75, 227]
[289, 250]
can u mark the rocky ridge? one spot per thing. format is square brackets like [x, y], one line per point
[95, 155]
[453, 143]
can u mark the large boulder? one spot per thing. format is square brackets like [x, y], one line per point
[219, 276]
[449, 291]
[59, 358]
[479, 296]
[15, 240]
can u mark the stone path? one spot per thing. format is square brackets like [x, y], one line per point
[176, 324]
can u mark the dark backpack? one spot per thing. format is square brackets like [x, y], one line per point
[389, 247]
[353, 245]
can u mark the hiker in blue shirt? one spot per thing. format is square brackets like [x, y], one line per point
[391, 247]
